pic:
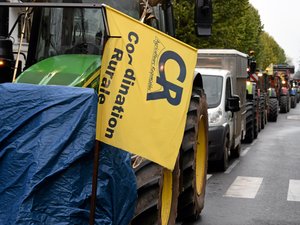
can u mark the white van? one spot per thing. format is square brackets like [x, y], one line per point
[224, 74]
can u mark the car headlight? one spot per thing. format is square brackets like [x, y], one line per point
[216, 116]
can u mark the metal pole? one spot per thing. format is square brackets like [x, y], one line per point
[20, 45]
[94, 184]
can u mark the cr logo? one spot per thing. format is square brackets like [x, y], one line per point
[168, 86]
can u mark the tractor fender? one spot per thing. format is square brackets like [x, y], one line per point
[198, 82]
[293, 91]
[284, 91]
[272, 93]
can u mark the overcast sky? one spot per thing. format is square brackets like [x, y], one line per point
[281, 19]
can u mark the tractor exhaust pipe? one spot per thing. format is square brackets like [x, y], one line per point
[5, 42]
[4, 21]
[6, 46]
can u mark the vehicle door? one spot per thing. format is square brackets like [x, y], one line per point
[229, 114]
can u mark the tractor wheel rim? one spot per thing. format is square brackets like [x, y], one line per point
[200, 156]
[167, 194]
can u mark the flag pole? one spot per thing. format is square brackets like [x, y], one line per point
[96, 150]
[94, 183]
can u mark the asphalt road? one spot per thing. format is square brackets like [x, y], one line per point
[262, 187]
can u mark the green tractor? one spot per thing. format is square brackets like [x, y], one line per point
[253, 115]
[66, 47]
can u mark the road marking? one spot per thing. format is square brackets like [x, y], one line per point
[208, 176]
[245, 151]
[293, 117]
[294, 191]
[229, 169]
[254, 142]
[244, 187]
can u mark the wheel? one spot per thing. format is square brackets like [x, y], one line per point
[283, 104]
[293, 102]
[273, 110]
[259, 119]
[262, 125]
[158, 190]
[193, 166]
[263, 111]
[249, 136]
[223, 165]
[235, 153]
[266, 116]
[288, 103]
[256, 122]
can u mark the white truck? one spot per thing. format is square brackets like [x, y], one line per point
[224, 73]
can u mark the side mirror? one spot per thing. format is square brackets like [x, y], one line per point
[233, 104]
[203, 17]
[4, 15]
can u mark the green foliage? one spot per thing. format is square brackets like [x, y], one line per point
[184, 22]
[236, 25]
[270, 52]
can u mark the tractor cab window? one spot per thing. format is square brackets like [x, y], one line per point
[69, 31]
[61, 31]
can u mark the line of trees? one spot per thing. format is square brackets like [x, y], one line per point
[236, 25]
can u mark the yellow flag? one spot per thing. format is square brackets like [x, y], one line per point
[145, 88]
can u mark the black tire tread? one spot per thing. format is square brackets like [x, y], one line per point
[149, 176]
[283, 104]
[190, 205]
[249, 136]
[273, 110]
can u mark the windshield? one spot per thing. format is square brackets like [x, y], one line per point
[213, 89]
[75, 30]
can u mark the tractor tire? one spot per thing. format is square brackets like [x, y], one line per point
[158, 190]
[193, 164]
[263, 111]
[293, 102]
[262, 124]
[293, 105]
[256, 121]
[289, 103]
[284, 104]
[298, 97]
[266, 117]
[249, 136]
[273, 110]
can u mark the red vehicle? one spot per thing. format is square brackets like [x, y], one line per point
[274, 93]
[284, 71]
